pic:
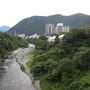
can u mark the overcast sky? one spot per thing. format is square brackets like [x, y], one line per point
[12, 11]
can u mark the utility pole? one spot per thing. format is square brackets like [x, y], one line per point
[15, 33]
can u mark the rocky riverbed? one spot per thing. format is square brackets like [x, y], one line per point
[22, 56]
[11, 76]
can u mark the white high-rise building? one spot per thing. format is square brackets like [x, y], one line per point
[51, 29]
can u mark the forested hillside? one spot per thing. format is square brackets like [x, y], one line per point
[64, 64]
[36, 24]
[9, 43]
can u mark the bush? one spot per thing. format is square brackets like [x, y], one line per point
[22, 67]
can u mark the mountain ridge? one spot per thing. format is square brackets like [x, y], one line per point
[4, 28]
[36, 24]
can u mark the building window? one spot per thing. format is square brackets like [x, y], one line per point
[49, 29]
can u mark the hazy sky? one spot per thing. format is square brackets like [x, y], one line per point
[12, 11]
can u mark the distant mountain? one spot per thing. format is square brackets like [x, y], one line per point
[36, 24]
[4, 28]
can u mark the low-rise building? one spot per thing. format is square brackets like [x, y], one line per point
[21, 35]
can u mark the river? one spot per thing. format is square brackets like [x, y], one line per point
[12, 78]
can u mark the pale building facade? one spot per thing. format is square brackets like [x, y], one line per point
[21, 35]
[51, 29]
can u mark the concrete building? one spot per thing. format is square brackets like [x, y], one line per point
[52, 38]
[51, 29]
[21, 35]
[28, 37]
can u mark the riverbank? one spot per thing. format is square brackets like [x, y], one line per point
[12, 77]
[22, 57]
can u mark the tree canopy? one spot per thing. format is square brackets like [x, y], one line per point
[9, 43]
[62, 66]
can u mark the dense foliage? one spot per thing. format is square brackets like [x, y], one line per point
[9, 43]
[64, 64]
[36, 24]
